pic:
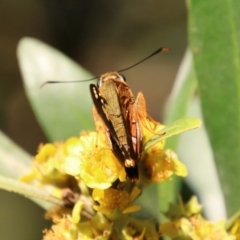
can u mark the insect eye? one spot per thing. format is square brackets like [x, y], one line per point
[122, 77]
[99, 83]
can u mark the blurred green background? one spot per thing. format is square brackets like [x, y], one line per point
[101, 36]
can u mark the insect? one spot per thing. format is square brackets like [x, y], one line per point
[118, 110]
[113, 107]
[115, 104]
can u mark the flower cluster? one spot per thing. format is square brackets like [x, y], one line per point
[98, 198]
[186, 222]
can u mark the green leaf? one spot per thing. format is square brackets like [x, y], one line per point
[177, 127]
[183, 102]
[195, 152]
[14, 162]
[176, 108]
[181, 95]
[214, 33]
[41, 196]
[63, 110]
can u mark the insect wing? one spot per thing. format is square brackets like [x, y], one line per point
[99, 112]
[99, 104]
[131, 111]
[106, 101]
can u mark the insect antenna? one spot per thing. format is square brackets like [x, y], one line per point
[74, 81]
[161, 49]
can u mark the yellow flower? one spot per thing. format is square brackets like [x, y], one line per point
[64, 229]
[68, 226]
[88, 157]
[234, 228]
[45, 152]
[140, 229]
[113, 200]
[187, 223]
[161, 165]
[156, 163]
[45, 166]
[176, 211]
[99, 167]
